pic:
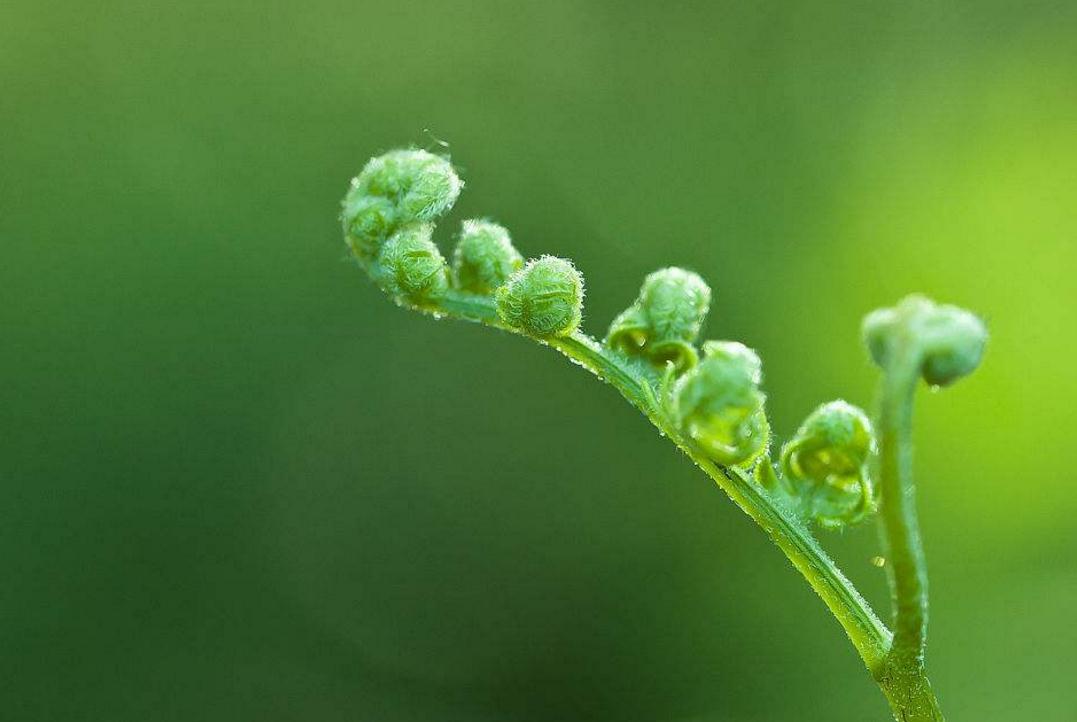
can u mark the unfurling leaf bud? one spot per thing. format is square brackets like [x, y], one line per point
[949, 340]
[422, 185]
[484, 257]
[954, 341]
[827, 464]
[368, 221]
[411, 267]
[663, 323]
[736, 352]
[393, 190]
[718, 404]
[543, 299]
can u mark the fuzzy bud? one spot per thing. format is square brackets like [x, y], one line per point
[394, 190]
[718, 404]
[411, 267]
[827, 464]
[950, 340]
[369, 220]
[484, 257]
[543, 299]
[663, 323]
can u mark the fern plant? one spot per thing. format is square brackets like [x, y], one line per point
[838, 468]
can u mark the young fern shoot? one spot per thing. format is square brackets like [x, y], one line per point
[837, 470]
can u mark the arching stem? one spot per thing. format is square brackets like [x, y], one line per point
[902, 682]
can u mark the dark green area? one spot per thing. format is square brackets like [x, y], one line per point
[237, 484]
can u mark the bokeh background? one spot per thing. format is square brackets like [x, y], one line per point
[237, 484]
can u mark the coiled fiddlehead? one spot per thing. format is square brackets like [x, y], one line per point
[411, 267]
[948, 342]
[484, 257]
[915, 339]
[543, 299]
[712, 409]
[393, 191]
[664, 322]
[718, 404]
[826, 462]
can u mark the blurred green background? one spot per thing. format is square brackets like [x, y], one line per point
[237, 484]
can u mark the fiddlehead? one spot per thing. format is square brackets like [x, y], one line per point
[395, 190]
[411, 267]
[826, 464]
[719, 406]
[915, 339]
[663, 323]
[941, 343]
[713, 409]
[543, 299]
[484, 257]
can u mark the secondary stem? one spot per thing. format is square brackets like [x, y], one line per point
[907, 569]
[903, 679]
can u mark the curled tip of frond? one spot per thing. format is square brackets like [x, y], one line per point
[949, 341]
[394, 190]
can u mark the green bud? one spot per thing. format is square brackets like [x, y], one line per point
[484, 257]
[950, 340]
[736, 352]
[878, 328]
[422, 185]
[954, 341]
[368, 221]
[663, 323]
[411, 267]
[393, 190]
[827, 464]
[543, 299]
[718, 404]
[433, 191]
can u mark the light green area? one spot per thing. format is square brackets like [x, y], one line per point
[235, 483]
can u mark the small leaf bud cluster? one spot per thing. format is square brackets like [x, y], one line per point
[826, 463]
[663, 323]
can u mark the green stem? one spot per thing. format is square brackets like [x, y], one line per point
[910, 695]
[907, 569]
[903, 680]
[864, 629]
[868, 634]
